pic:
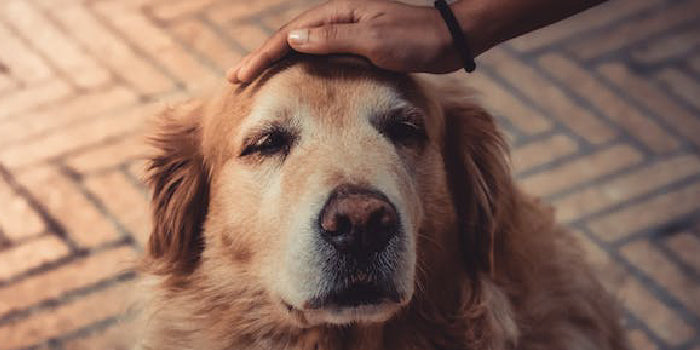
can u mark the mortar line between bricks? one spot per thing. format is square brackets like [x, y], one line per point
[529, 139]
[76, 151]
[77, 179]
[684, 267]
[81, 332]
[57, 263]
[113, 76]
[655, 193]
[125, 108]
[50, 104]
[45, 60]
[52, 223]
[67, 297]
[581, 142]
[626, 49]
[562, 44]
[157, 3]
[657, 231]
[138, 183]
[220, 33]
[661, 36]
[565, 89]
[563, 160]
[664, 298]
[673, 95]
[618, 173]
[145, 56]
[200, 58]
[644, 110]
[675, 62]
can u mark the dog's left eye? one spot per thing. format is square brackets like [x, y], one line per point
[403, 131]
[270, 143]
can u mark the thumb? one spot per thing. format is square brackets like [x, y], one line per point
[335, 38]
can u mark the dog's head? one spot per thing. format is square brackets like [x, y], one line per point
[335, 189]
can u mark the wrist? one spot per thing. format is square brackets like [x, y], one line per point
[479, 31]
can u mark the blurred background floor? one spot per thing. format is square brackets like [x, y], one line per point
[602, 113]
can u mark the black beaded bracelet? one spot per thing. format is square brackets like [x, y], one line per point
[458, 38]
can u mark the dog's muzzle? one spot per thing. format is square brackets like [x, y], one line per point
[360, 230]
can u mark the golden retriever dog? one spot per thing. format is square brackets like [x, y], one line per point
[332, 205]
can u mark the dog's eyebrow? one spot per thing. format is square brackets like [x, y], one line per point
[400, 113]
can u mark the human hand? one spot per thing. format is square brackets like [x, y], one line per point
[391, 35]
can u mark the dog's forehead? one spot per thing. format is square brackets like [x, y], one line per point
[341, 95]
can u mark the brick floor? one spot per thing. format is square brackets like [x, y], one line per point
[602, 111]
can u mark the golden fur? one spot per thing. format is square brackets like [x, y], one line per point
[493, 269]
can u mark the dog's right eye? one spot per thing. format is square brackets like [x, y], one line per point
[271, 142]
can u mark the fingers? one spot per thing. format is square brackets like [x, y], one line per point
[276, 46]
[332, 38]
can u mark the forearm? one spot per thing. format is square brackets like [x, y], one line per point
[490, 22]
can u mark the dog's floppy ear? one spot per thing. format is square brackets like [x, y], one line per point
[179, 180]
[479, 177]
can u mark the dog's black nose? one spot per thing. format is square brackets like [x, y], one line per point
[358, 221]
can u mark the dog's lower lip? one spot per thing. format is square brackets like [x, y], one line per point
[358, 294]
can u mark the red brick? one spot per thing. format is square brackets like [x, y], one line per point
[51, 117]
[79, 273]
[229, 11]
[167, 10]
[542, 151]
[592, 19]
[683, 121]
[17, 219]
[113, 51]
[549, 96]
[109, 155]
[635, 297]
[64, 200]
[682, 85]
[6, 83]
[650, 260]
[637, 30]
[654, 211]
[694, 63]
[24, 64]
[66, 318]
[638, 340]
[672, 46]
[580, 170]
[686, 246]
[663, 321]
[619, 111]
[610, 273]
[248, 35]
[30, 254]
[125, 201]
[200, 37]
[82, 69]
[158, 45]
[277, 19]
[625, 187]
[501, 102]
[15, 102]
[65, 140]
[119, 336]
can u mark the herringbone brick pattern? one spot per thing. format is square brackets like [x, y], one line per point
[602, 112]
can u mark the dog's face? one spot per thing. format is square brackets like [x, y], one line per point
[322, 184]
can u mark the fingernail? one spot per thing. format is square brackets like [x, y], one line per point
[298, 35]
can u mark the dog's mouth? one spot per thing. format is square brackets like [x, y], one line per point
[355, 294]
[355, 300]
